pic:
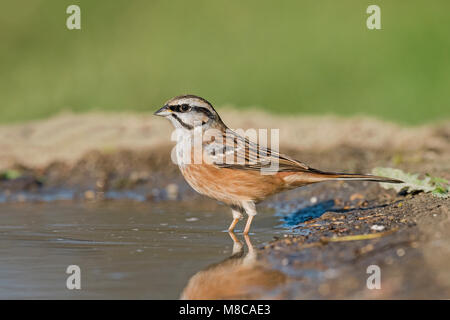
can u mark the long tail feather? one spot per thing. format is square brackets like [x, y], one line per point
[324, 176]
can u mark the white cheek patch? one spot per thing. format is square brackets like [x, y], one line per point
[175, 123]
[185, 117]
[193, 119]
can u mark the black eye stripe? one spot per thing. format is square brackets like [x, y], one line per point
[186, 107]
[175, 108]
[180, 108]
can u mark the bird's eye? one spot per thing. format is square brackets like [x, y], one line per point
[185, 108]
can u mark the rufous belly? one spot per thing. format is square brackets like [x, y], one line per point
[231, 186]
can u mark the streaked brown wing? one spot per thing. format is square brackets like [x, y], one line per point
[238, 152]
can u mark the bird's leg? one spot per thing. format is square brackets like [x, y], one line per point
[233, 224]
[250, 258]
[248, 224]
[237, 245]
[251, 250]
[236, 217]
[250, 209]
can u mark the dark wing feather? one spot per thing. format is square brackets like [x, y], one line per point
[238, 152]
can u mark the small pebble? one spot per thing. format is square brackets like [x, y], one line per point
[356, 196]
[313, 200]
[377, 227]
[414, 244]
[400, 252]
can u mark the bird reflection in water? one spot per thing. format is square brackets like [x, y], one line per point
[240, 276]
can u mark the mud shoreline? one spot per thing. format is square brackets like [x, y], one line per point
[97, 157]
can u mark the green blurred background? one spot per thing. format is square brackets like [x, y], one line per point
[308, 57]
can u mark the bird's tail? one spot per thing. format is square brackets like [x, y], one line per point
[314, 175]
[324, 176]
[357, 177]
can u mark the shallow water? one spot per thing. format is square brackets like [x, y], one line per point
[125, 249]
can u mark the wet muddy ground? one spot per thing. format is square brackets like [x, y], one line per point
[138, 231]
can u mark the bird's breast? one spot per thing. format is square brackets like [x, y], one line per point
[230, 186]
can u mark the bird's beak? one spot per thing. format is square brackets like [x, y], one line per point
[164, 111]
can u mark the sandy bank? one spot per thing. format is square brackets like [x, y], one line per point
[68, 137]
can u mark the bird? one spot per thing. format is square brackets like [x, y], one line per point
[219, 163]
[240, 276]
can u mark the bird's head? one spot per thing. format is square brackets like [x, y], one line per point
[189, 111]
